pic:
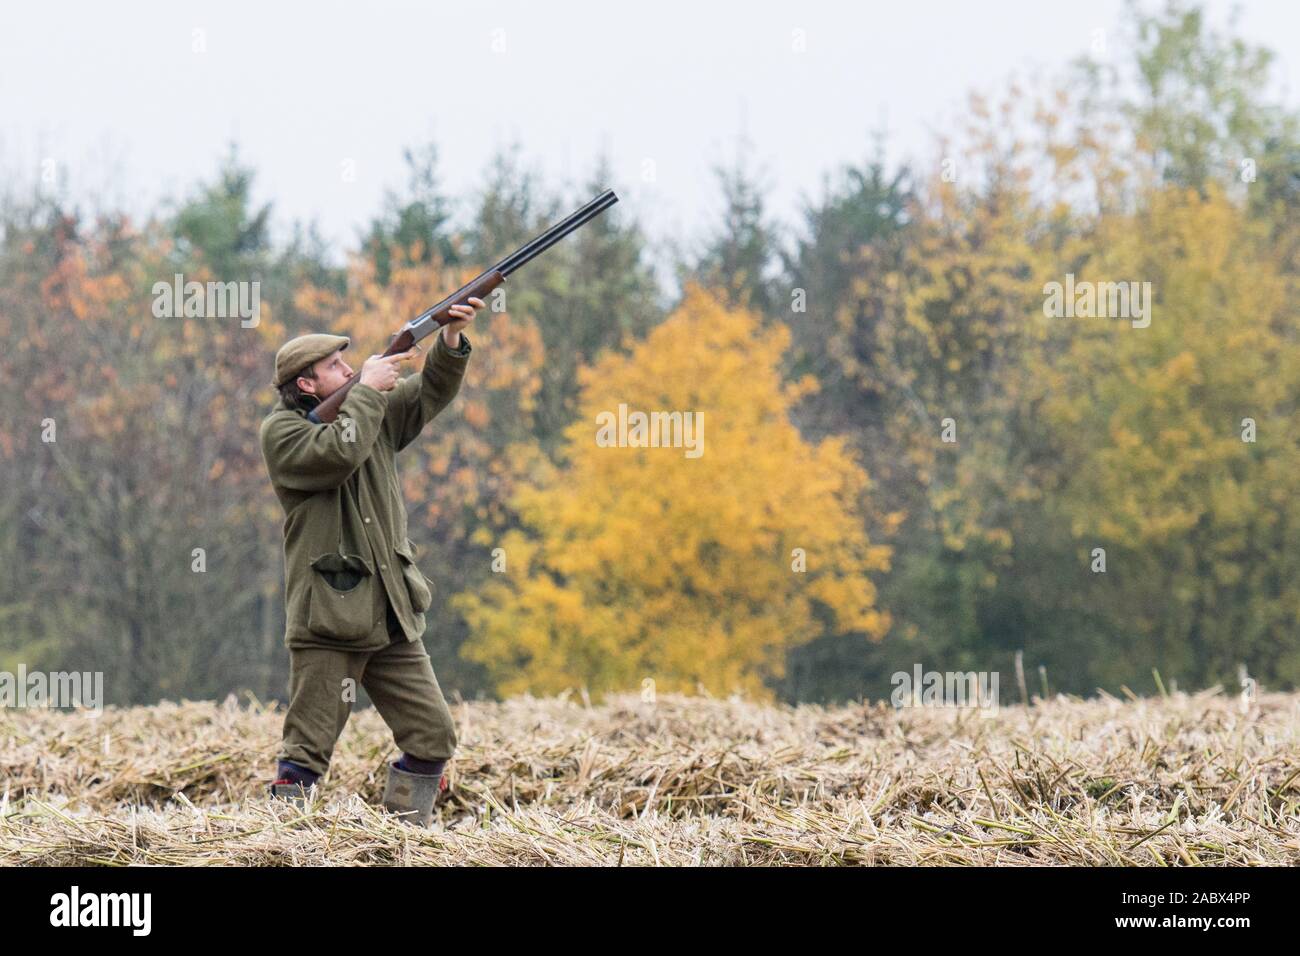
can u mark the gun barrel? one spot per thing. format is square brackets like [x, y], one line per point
[551, 236]
[434, 318]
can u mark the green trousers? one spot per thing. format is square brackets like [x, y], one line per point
[400, 681]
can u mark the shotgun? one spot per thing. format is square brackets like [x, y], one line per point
[433, 319]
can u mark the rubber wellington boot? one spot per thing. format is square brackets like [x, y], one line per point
[411, 795]
[293, 792]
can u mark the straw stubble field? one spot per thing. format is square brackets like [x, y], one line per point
[1183, 780]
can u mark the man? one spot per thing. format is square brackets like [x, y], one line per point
[354, 598]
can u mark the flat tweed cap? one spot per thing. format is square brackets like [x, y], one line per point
[296, 354]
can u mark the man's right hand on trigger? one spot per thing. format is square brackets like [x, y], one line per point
[382, 373]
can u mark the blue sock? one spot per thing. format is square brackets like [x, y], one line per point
[288, 772]
[429, 768]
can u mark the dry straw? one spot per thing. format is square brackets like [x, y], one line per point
[1185, 780]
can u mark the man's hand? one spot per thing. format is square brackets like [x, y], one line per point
[382, 373]
[463, 313]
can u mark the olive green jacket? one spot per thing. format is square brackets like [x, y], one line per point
[345, 543]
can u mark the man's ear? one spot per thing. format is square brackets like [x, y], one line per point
[306, 385]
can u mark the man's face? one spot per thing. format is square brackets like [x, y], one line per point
[331, 374]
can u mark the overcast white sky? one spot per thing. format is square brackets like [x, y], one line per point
[118, 97]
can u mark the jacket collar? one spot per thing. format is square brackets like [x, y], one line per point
[308, 403]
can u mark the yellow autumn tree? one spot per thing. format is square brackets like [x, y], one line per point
[1181, 454]
[954, 324]
[694, 566]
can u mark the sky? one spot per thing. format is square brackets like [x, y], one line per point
[130, 105]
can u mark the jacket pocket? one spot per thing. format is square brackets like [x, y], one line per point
[418, 586]
[341, 604]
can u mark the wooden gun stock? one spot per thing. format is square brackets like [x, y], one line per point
[408, 335]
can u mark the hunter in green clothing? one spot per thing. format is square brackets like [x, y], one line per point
[354, 597]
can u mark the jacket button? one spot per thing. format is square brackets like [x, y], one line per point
[367, 521]
[383, 567]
